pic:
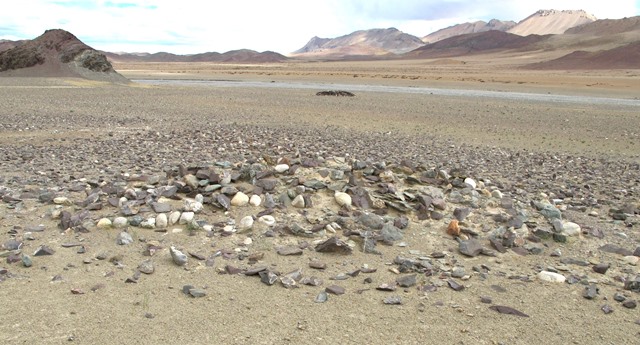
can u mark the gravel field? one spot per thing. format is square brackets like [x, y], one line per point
[73, 148]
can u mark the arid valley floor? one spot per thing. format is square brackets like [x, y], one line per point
[574, 144]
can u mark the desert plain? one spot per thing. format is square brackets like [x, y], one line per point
[569, 138]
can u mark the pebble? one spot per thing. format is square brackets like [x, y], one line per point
[245, 223]
[551, 277]
[174, 217]
[255, 200]
[104, 223]
[280, 168]
[392, 300]
[630, 304]
[298, 201]
[267, 220]
[240, 199]
[179, 258]
[335, 289]
[43, 250]
[471, 248]
[162, 221]
[601, 268]
[146, 267]
[343, 199]
[321, 297]
[120, 222]
[26, 261]
[631, 260]
[124, 238]
[186, 218]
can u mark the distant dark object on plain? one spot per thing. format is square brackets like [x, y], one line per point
[335, 93]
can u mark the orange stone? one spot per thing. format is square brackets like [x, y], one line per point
[453, 229]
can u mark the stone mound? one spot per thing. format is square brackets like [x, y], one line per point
[57, 53]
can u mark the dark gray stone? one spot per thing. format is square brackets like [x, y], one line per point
[470, 247]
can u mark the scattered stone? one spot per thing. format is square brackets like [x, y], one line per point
[601, 268]
[298, 202]
[268, 277]
[454, 285]
[392, 300]
[407, 281]
[630, 304]
[186, 218]
[386, 287]
[146, 267]
[245, 223]
[240, 199]
[486, 299]
[507, 310]
[43, 250]
[343, 199]
[607, 309]
[470, 247]
[289, 250]
[390, 233]
[335, 289]
[255, 200]
[590, 292]
[26, 261]
[179, 258]
[453, 229]
[104, 223]
[124, 238]
[551, 277]
[317, 265]
[321, 297]
[334, 245]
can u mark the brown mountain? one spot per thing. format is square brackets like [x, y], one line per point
[476, 43]
[7, 44]
[57, 53]
[546, 22]
[234, 56]
[468, 28]
[374, 42]
[603, 44]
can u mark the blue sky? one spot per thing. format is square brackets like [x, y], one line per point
[189, 26]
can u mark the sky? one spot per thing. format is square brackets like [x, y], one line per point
[190, 26]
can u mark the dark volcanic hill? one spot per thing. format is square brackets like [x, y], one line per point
[57, 53]
[481, 42]
[468, 28]
[364, 42]
[233, 56]
[624, 57]
[7, 44]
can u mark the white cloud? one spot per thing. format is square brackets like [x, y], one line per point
[280, 25]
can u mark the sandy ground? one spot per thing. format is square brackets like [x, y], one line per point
[72, 129]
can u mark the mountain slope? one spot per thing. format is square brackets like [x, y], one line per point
[624, 57]
[468, 28]
[475, 43]
[546, 22]
[363, 42]
[57, 53]
[237, 56]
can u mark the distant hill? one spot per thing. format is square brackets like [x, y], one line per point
[57, 53]
[475, 43]
[468, 28]
[546, 22]
[234, 56]
[7, 44]
[624, 57]
[373, 42]
[603, 27]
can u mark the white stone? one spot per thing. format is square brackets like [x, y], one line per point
[343, 199]
[471, 182]
[551, 277]
[162, 221]
[267, 220]
[255, 200]
[174, 217]
[149, 223]
[191, 181]
[240, 199]
[497, 194]
[281, 168]
[61, 200]
[246, 223]
[298, 201]
[122, 201]
[104, 223]
[120, 222]
[247, 241]
[186, 218]
[179, 258]
[631, 260]
[571, 229]
[199, 198]
[192, 206]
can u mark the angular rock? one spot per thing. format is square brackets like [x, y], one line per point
[289, 250]
[268, 277]
[334, 245]
[392, 300]
[390, 233]
[124, 238]
[454, 285]
[407, 281]
[507, 310]
[43, 250]
[471, 248]
[601, 268]
[335, 289]
[146, 267]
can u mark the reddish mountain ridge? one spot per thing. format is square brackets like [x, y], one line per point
[468, 28]
[233, 56]
[57, 53]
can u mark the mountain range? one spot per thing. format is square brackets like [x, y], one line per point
[556, 40]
